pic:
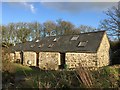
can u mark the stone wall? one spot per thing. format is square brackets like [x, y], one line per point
[17, 57]
[85, 59]
[49, 60]
[103, 52]
[29, 58]
[12, 57]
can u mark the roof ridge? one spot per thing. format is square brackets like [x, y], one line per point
[77, 34]
[93, 32]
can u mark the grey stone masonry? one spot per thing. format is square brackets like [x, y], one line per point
[85, 59]
[29, 58]
[103, 53]
[49, 60]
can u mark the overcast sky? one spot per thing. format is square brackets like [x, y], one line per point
[85, 13]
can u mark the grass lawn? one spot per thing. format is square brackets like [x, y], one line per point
[22, 70]
[35, 77]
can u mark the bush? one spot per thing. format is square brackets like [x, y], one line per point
[106, 77]
[115, 52]
[8, 70]
[54, 79]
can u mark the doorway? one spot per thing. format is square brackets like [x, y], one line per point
[22, 56]
[37, 58]
[62, 61]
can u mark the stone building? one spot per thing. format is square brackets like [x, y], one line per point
[67, 51]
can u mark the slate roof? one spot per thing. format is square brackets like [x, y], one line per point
[64, 43]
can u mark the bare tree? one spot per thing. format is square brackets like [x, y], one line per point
[36, 30]
[85, 28]
[65, 28]
[112, 23]
[8, 34]
[23, 32]
[49, 27]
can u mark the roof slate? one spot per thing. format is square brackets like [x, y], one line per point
[63, 44]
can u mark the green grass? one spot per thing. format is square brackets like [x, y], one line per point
[106, 77]
[47, 78]
[22, 70]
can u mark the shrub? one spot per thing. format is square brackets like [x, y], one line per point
[106, 77]
[8, 70]
[52, 79]
[115, 52]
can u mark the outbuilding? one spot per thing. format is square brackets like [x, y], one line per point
[68, 51]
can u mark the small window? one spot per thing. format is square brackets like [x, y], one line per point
[56, 39]
[37, 40]
[14, 44]
[75, 37]
[32, 45]
[41, 45]
[82, 43]
[51, 45]
[29, 62]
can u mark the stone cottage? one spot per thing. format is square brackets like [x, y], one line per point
[24, 54]
[67, 51]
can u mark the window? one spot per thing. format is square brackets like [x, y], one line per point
[29, 62]
[82, 43]
[32, 45]
[41, 45]
[37, 40]
[56, 39]
[75, 37]
[51, 45]
[14, 44]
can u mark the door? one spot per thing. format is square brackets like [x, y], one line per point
[37, 58]
[62, 61]
[22, 56]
